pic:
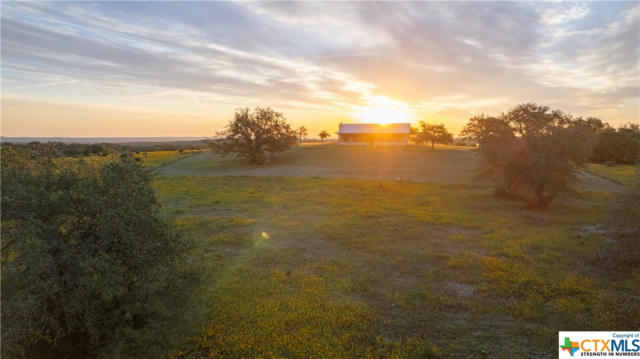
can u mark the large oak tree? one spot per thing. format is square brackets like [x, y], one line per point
[255, 134]
[431, 133]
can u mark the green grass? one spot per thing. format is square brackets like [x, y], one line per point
[310, 267]
[155, 159]
[150, 160]
[446, 164]
[620, 173]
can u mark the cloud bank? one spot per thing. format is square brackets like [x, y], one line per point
[321, 61]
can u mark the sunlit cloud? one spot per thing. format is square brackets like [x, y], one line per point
[319, 63]
[558, 16]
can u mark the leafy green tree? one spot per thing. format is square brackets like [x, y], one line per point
[495, 138]
[93, 149]
[534, 153]
[252, 135]
[89, 267]
[431, 133]
[302, 132]
[323, 135]
[620, 145]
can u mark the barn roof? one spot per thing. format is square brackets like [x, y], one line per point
[374, 128]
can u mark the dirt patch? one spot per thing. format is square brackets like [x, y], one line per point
[591, 182]
[536, 217]
[461, 290]
[585, 231]
[593, 228]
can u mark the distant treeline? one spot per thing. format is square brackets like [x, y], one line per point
[621, 145]
[61, 149]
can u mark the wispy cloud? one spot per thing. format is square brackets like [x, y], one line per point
[562, 15]
[440, 59]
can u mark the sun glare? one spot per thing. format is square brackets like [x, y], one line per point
[383, 110]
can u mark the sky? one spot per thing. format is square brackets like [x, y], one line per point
[101, 69]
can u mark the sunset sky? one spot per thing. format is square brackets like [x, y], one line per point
[180, 69]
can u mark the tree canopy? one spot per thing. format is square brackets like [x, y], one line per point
[431, 133]
[532, 151]
[302, 132]
[620, 145]
[254, 134]
[323, 135]
[89, 267]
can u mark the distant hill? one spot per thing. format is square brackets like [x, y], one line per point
[88, 140]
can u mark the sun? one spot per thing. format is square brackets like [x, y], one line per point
[383, 110]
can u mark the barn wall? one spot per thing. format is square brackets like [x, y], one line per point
[375, 139]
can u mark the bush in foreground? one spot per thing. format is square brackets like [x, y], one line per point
[89, 268]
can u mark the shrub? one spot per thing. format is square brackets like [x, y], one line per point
[89, 268]
[532, 152]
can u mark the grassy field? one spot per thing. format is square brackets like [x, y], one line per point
[619, 173]
[447, 165]
[150, 160]
[155, 159]
[330, 267]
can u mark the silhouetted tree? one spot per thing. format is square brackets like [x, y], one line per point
[252, 135]
[302, 132]
[413, 133]
[533, 152]
[431, 133]
[323, 135]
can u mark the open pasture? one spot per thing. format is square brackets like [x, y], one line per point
[155, 159]
[408, 163]
[445, 164]
[619, 173]
[304, 266]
